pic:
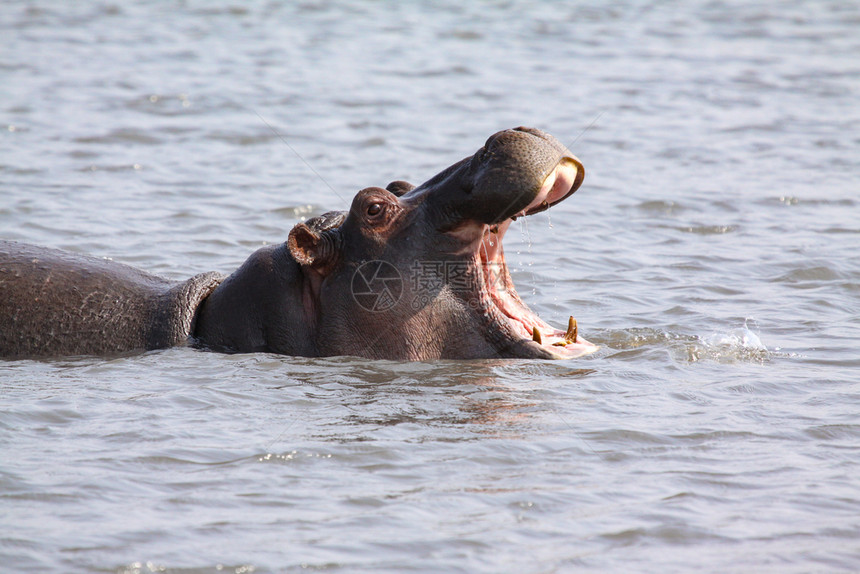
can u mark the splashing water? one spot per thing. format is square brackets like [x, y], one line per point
[738, 345]
[742, 344]
[743, 337]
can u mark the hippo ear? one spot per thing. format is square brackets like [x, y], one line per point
[398, 187]
[319, 250]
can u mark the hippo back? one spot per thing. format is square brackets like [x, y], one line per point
[57, 303]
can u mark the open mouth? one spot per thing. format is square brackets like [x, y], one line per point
[509, 310]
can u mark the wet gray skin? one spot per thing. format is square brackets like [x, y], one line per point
[55, 303]
[413, 273]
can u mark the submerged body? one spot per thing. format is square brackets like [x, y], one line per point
[55, 303]
[407, 273]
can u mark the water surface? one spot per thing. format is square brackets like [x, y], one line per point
[712, 252]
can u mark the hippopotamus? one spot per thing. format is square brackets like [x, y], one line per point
[408, 273]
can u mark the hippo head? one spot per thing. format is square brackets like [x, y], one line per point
[419, 272]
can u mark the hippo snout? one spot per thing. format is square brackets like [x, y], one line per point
[518, 171]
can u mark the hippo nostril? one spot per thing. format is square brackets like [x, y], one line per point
[532, 131]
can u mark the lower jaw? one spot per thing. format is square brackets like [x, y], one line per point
[559, 344]
[521, 321]
[528, 329]
[561, 349]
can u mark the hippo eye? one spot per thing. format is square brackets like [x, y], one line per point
[374, 209]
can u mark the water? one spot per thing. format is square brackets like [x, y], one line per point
[712, 252]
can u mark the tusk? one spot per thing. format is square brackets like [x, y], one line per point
[572, 329]
[536, 335]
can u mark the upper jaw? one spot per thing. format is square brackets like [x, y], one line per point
[502, 181]
[559, 183]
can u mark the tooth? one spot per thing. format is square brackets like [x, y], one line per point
[494, 229]
[570, 336]
[536, 335]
